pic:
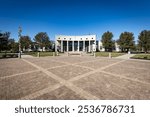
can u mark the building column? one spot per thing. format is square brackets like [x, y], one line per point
[67, 45]
[73, 46]
[78, 45]
[89, 46]
[84, 46]
[61, 45]
[95, 45]
[55, 46]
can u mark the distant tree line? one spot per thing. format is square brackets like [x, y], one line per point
[41, 40]
[144, 40]
[7, 43]
[126, 41]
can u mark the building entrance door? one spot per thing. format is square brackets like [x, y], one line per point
[70, 45]
[75, 46]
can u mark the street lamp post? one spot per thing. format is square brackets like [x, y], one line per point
[19, 36]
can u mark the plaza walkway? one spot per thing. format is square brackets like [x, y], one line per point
[74, 77]
[126, 56]
[26, 56]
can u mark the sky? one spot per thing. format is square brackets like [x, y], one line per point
[74, 17]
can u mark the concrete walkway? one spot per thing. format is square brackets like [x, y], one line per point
[26, 56]
[74, 78]
[75, 53]
[126, 56]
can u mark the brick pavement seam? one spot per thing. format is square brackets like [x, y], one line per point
[86, 94]
[75, 64]
[19, 74]
[78, 62]
[56, 67]
[78, 90]
[124, 77]
[81, 92]
[96, 70]
[41, 92]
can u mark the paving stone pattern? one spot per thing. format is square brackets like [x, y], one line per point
[74, 78]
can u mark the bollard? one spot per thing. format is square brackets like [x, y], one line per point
[109, 55]
[94, 54]
[57, 53]
[38, 54]
[19, 55]
[53, 54]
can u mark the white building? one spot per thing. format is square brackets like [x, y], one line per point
[85, 43]
[117, 47]
[101, 48]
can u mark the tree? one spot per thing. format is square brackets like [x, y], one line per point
[15, 47]
[144, 40]
[4, 37]
[42, 39]
[11, 43]
[107, 41]
[126, 41]
[25, 42]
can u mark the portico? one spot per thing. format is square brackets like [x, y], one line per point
[86, 43]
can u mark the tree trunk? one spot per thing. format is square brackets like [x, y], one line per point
[145, 50]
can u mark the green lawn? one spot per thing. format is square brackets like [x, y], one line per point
[142, 56]
[1, 54]
[42, 54]
[106, 54]
[8, 55]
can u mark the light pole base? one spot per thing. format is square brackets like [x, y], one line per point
[19, 55]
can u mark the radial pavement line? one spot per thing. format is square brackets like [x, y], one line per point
[41, 92]
[19, 74]
[68, 84]
[124, 77]
[94, 71]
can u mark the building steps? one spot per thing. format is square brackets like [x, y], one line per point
[75, 54]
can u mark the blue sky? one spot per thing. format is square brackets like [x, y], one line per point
[74, 17]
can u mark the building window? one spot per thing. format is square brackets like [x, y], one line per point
[81, 38]
[86, 38]
[70, 38]
[92, 38]
[59, 38]
[64, 38]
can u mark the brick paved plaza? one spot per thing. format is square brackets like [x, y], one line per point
[74, 77]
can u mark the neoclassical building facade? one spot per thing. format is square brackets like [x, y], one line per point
[85, 43]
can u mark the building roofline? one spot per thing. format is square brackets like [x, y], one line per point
[76, 35]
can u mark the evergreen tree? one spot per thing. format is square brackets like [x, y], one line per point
[4, 38]
[126, 41]
[107, 41]
[42, 39]
[25, 42]
[144, 40]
